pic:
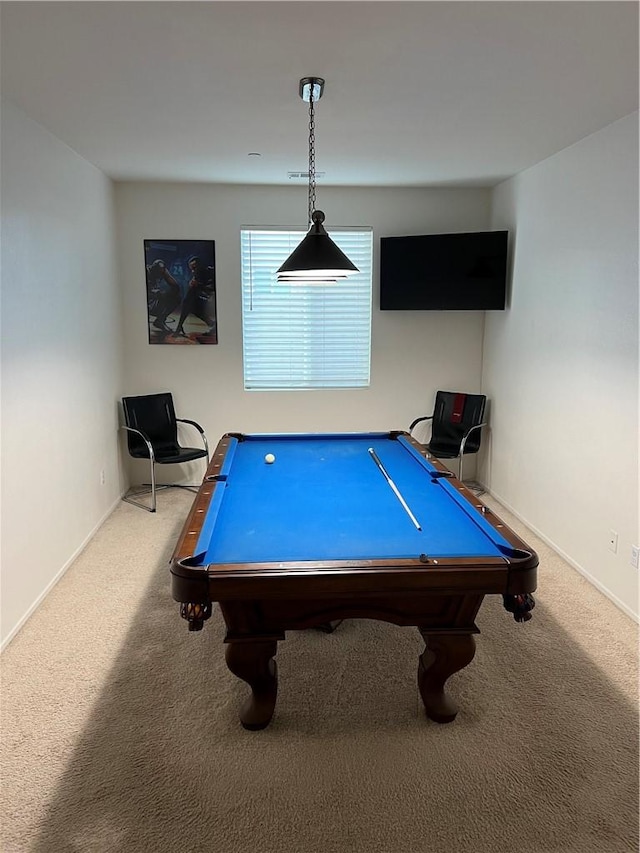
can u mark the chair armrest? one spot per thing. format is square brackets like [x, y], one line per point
[467, 434]
[200, 430]
[419, 420]
[144, 438]
[193, 423]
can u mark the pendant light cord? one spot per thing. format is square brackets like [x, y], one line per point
[312, 156]
[316, 258]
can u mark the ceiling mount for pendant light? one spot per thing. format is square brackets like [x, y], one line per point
[316, 258]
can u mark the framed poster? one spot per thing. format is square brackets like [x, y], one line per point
[181, 291]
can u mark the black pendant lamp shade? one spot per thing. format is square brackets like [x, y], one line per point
[316, 258]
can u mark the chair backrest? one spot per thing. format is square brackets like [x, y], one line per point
[453, 416]
[154, 415]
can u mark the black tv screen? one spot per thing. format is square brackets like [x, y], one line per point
[444, 272]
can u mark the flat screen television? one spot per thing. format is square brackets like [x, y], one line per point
[444, 272]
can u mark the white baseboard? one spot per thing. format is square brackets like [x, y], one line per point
[55, 580]
[580, 569]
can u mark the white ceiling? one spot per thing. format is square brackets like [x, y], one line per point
[417, 93]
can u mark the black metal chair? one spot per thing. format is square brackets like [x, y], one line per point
[152, 433]
[456, 425]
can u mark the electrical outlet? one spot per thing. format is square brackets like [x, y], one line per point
[103, 478]
[613, 541]
[635, 554]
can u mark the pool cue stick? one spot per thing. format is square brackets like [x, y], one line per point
[383, 470]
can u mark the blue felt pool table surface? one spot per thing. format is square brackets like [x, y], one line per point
[324, 498]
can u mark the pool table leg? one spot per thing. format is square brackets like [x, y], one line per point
[444, 654]
[253, 662]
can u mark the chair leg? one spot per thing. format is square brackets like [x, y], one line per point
[473, 485]
[151, 508]
[153, 489]
[153, 486]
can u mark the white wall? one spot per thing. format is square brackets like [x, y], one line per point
[61, 369]
[413, 353]
[561, 366]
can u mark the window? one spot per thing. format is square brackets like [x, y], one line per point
[304, 335]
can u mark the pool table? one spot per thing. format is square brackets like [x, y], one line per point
[338, 526]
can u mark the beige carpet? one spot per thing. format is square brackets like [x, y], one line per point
[120, 729]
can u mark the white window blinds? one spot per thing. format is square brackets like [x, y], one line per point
[304, 335]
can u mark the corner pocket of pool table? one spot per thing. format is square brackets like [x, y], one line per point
[190, 587]
[516, 553]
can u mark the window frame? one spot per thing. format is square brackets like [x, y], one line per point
[309, 355]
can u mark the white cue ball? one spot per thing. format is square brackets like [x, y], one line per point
[269, 458]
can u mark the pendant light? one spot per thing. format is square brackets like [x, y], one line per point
[316, 258]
